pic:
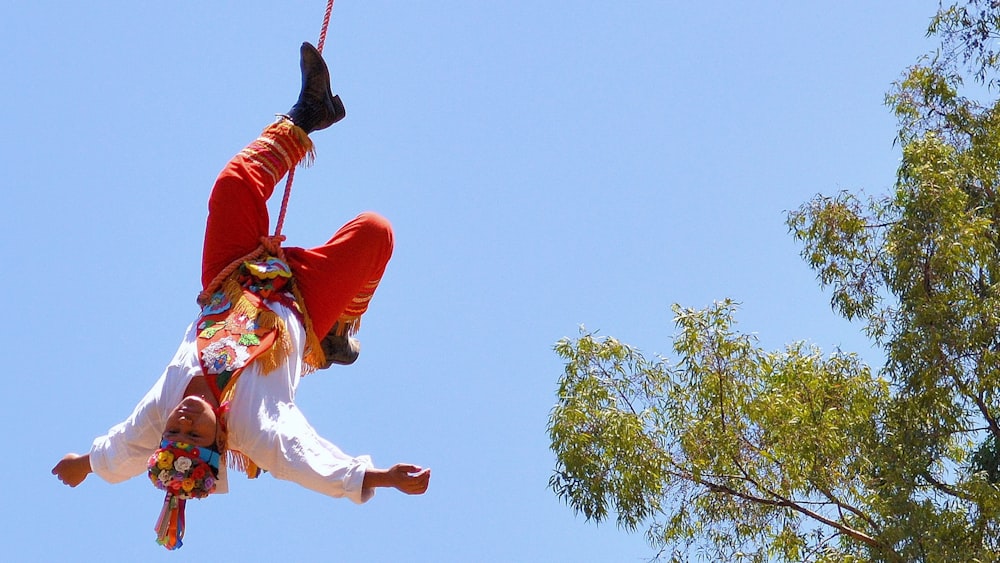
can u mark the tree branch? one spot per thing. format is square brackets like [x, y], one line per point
[843, 505]
[978, 400]
[945, 488]
[785, 503]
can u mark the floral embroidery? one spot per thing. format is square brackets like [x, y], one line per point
[244, 322]
[165, 460]
[249, 339]
[209, 328]
[265, 277]
[218, 303]
[268, 269]
[187, 474]
[224, 355]
[182, 464]
[237, 326]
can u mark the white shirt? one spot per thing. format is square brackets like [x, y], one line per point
[263, 423]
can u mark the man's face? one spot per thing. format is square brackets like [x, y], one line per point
[192, 421]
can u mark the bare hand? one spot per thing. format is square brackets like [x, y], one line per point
[410, 479]
[72, 469]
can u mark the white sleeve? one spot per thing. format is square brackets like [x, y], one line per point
[265, 424]
[122, 453]
[289, 448]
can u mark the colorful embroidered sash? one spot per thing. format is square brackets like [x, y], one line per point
[237, 328]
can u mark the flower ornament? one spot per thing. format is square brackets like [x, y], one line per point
[269, 268]
[246, 322]
[164, 459]
[226, 354]
[218, 303]
[207, 329]
[183, 464]
[265, 276]
[184, 469]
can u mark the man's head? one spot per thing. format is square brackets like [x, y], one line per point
[187, 463]
[193, 421]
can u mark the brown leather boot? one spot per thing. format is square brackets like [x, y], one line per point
[317, 108]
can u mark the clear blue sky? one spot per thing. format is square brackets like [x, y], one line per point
[546, 164]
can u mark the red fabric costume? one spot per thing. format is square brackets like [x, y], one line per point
[337, 279]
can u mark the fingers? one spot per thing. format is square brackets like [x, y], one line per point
[417, 483]
[57, 471]
[60, 474]
[66, 472]
[60, 469]
[407, 467]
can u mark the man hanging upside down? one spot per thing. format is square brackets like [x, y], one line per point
[227, 397]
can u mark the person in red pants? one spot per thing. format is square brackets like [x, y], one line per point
[269, 316]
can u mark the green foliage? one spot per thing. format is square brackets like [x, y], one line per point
[607, 431]
[987, 460]
[968, 31]
[779, 439]
[735, 453]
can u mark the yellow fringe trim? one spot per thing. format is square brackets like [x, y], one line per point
[305, 142]
[299, 136]
[240, 462]
[313, 356]
[348, 326]
[268, 320]
[232, 289]
[282, 347]
[232, 458]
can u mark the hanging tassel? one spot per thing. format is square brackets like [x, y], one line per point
[280, 349]
[239, 461]
[170, 525]
[314, 356]
[161, 523]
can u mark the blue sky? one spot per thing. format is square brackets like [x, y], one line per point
[545, 165]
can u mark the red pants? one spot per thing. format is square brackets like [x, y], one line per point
[336, 279]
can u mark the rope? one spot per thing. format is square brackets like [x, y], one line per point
[268, 244]
[326, 23]
[291, 172]
[284, 202]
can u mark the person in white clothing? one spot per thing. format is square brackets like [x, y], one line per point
[274, 315]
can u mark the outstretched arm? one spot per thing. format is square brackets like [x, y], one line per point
[72, 469]
[410, 479]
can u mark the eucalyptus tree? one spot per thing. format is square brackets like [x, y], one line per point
[727, 451]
